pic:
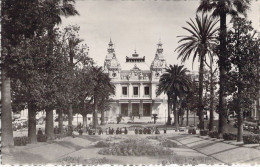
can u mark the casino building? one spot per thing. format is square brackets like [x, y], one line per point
[135, 86]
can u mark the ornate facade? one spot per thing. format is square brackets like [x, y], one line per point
[135, 86]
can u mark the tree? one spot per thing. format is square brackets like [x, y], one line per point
[75, 61]
[52, 11]
[175, 82]
[30, 57]
[102, 88]
[15, 23]
[244, 56]
[201, 42]
[211, 80]
[222, 8]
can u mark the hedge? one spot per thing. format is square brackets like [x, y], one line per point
[204, 132]
[229, 136]
[192, 131]
[251, 139]
[213, 134]
[21, 141]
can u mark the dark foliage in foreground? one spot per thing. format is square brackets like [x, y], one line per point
[135, 148]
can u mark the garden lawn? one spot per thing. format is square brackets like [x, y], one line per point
[108, 149]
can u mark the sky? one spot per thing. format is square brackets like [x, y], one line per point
[138, 25]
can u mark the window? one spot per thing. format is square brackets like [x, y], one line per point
[124, 90]
[135, 90]
[146, 90]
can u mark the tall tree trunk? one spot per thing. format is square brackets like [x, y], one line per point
[200, 109]
[211, 110]
[187, 117]
[239, 122]
[84, 121]
[222, 73]
[258, 92]
[95, 119]
[181, 117]
[169, 111]
[239, 117]
[102, 117]
[176, 123]
[60, 119]
[32, 124]
[70, 115]
[238, 106]
[7, 130]
[258, 105]
[49, 131]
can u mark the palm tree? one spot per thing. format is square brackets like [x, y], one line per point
[52, 12]
[201, 42]
[175, 83]
[222, 8]
[103, 88]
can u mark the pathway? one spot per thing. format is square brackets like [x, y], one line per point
[229, 152]
[192, 146]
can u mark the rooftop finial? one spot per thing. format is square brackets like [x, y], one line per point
[110, 47]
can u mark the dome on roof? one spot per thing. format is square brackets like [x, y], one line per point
[141, 65]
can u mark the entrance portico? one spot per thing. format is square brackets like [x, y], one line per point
[135, 107]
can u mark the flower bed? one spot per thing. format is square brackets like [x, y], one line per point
[213, 134]
[134, 147]
[180, 160]
[80, 161]
[229, 136]
[21, 141]
[101, 144]
[251, 139]
[169, 143]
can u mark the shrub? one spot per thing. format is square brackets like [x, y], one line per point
[192, 131]
[229, 136]
[42, 138]
[70, 160]
[119, 118]
[79, 161]
[169, 143]
[21, 141]
[251, 139]
[180, 160]
[102, 144]
[213, 134]
[159, 138]
[135, 147]
[204, 132]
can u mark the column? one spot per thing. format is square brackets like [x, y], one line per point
[130, 90]
[129, 108]
[118, 107]
[141, 108]
[141, 90]
[151, 108]
[118, 92]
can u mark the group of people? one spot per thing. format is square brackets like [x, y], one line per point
[118, 131]
[109, 131]
[124, 130]
[147, 130]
